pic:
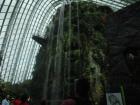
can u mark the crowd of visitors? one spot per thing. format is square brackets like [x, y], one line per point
[81, 96]
[18, 100]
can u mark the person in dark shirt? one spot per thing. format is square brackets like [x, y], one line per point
[82, 94]
[24, 99]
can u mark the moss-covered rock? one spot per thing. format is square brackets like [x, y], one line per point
[75, 48]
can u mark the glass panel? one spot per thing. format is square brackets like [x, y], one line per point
[12, 53]
[23, 5]
[9, 49]
[21, 10]
[14, 2]
[12, 37]
[8, 15]
[4, 28]
[30, 1]
[6, 21]
[4, 8]
[1, 41]
[7, 2]
[1, 22]
[7, 59]
[2, 35]
[26, 1]
[1, 1]
[28, 6]
[16, 24]
[10, 44]
[19, 15]
[11, 9]
[2, 15]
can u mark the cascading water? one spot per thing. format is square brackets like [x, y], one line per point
[49, 59]
[56, 85]
[55, 59]
[70, 51]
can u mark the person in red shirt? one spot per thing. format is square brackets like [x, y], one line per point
[69, 102]
[16, 101]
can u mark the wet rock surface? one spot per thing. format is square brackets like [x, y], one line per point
[123, 58]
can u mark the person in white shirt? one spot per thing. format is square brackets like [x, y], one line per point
[6, 101]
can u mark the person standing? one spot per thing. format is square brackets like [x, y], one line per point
[82, 94]
[16, 101]
[5, 101]
[24, 99]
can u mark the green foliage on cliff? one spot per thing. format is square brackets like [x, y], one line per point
[81, 49]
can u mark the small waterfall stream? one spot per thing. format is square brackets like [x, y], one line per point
[56, 85]
[54, 63]
[49, 59]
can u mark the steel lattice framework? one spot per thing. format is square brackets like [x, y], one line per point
[19, 21]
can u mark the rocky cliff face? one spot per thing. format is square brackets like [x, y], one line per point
[123, 58]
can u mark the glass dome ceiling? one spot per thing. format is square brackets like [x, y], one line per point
[19, 21]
